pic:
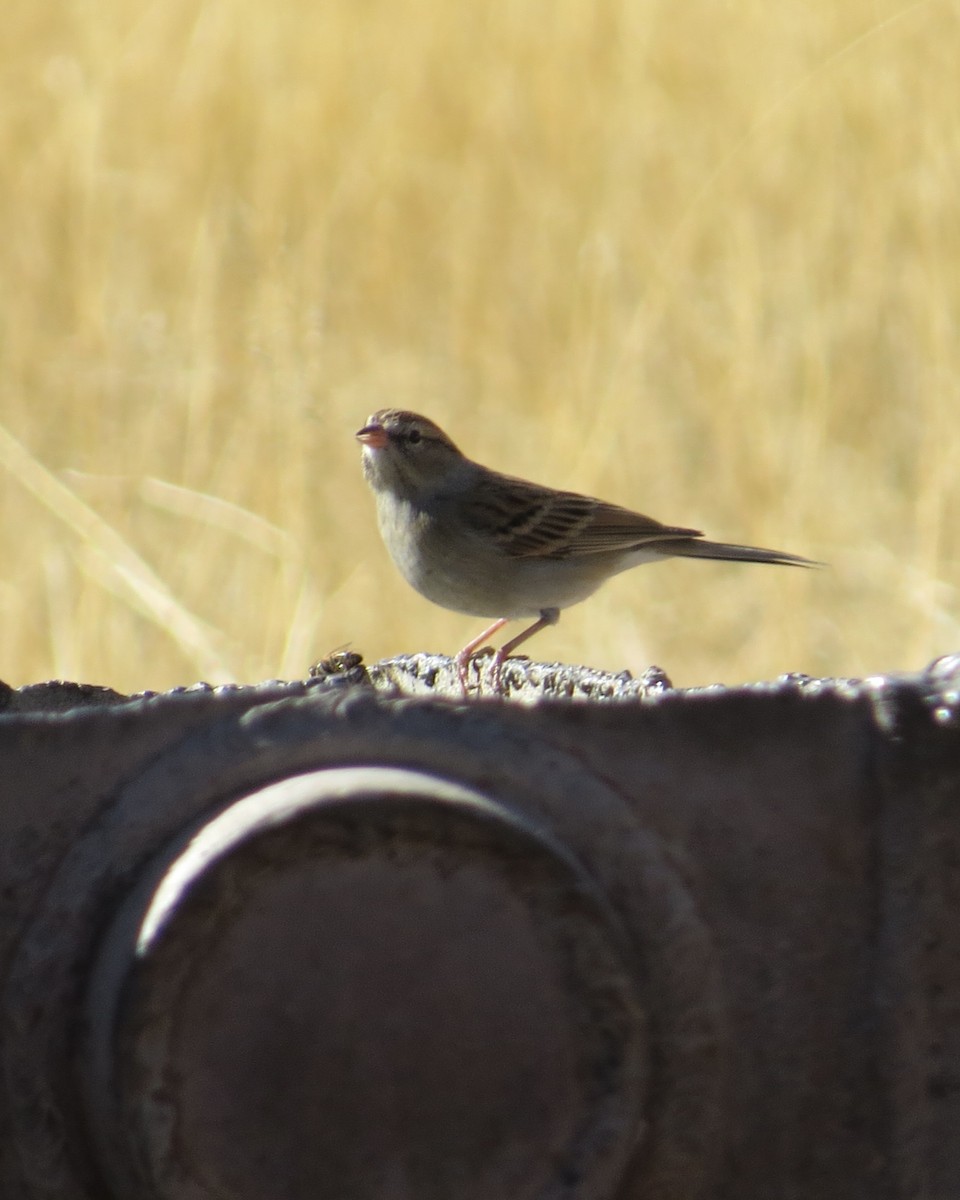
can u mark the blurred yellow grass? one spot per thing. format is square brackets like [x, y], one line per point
[701, 259]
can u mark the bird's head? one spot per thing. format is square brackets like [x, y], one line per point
[406, 453]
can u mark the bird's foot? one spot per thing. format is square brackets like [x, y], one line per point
[463, 662]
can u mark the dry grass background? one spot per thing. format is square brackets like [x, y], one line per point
[700, 258]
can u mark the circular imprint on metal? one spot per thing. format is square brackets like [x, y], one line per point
[366, 982]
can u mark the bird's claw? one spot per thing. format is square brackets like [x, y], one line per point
[463, 669]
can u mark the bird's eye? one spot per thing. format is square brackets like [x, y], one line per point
[414, 436]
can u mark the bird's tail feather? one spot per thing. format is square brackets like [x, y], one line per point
[698, 548]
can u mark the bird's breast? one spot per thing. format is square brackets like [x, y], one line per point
[458, 569]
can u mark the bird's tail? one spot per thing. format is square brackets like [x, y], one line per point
[699, 548]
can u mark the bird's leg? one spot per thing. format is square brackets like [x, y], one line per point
[548, 616]
[463, 658]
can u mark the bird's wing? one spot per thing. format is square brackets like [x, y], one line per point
[530, 521]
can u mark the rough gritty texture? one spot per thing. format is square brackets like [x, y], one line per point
[783, 856]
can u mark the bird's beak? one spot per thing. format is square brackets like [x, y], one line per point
[373, 435]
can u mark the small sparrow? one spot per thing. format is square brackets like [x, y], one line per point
[478, 542]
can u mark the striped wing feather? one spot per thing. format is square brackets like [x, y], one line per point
[530, 521]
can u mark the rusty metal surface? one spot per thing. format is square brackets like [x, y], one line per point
[773, 881]
[484, 1031]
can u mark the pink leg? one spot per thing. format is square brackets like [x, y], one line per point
[463, 658]
[548, 616]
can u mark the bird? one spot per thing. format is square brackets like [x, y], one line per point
[485, 544]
